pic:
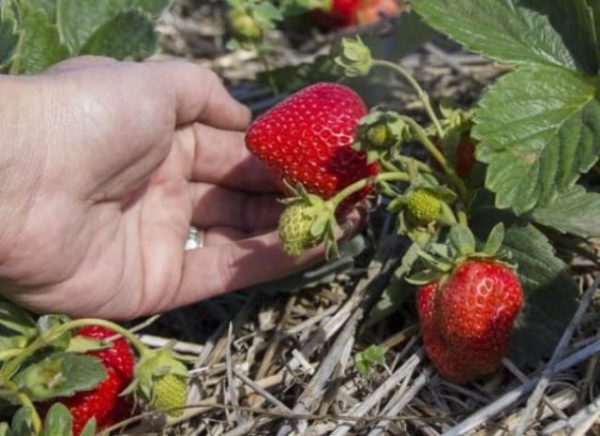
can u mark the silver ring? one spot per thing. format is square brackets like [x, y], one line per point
[195, 238]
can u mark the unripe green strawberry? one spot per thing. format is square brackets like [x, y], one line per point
[295, 229]
[170, 392]
[378, 135]
[423, 206]
[244, 27]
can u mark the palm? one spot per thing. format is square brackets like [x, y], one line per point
[143, 154]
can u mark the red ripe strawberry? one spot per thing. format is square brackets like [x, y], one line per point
[371, 11]
[467, 318]
[463, 159]
[346, 13]
[103, 402]
[436, 348]
[336, 13]
[307, 139]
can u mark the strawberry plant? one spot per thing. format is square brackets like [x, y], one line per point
[60, 376]
[35, 34]
[482, 251]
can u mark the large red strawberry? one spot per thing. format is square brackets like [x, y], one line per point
[467, 318]
[103, 402]
[307, 139]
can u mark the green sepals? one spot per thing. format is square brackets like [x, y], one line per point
[90, 428]
[60, 374]
[381, 132]
[307, 221]
[455, 119]
[153, 366]
[58, 421]
[354, 57]
[439, 259]
[369, 358]
[494, 241]
[22, 422]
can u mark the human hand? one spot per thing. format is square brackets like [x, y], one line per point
[107, 164]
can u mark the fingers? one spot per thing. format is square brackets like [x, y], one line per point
[217, 206]
[221, 157]
[215, 270]
[200, 96]
[79, 63]
[222, 236]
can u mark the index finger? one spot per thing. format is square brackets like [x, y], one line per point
[200, 96]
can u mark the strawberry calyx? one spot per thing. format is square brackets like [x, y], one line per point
[381, 134]
[354, 57]
[440, 260]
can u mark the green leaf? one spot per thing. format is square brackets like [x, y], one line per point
[48, 6]
[540, 129]
[462, 239]
[4, 429]
[8, 37]
[370, 357]
[60, 374]
[550, 295]
[137, 39]
[512, 31]
[58, 421]
[153, 7]
[576, 212]
[39, 44]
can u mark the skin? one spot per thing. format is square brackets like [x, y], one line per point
[104, 166]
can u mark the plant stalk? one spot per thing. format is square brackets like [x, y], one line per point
[361, 184]
[415, 85]
[438, 156]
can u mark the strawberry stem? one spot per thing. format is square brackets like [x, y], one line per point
[361, 184]
[25, 401]
[265, 63]
[438, 156]
[423, 96]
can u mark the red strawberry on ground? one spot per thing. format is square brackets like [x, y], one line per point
[103, 402]
[467, 318]
[307, 139]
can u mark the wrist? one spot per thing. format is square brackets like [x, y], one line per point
[21, 147]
